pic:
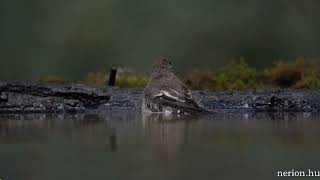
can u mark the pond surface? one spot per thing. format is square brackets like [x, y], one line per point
[129, 146]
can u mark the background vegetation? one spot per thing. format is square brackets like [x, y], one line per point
[237, 75]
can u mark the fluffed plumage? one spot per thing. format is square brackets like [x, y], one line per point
[167, 94]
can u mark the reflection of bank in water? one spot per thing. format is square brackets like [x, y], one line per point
[167, 134]
[40, 127]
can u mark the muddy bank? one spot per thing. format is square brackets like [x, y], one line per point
[29, 97]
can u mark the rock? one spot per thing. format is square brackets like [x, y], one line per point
[3, 97]
[20, 96]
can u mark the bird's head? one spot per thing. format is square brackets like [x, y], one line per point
[162, 65]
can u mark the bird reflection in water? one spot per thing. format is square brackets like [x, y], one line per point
[167, 134]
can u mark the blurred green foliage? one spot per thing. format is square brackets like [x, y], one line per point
[125, 79]
[299, 74]
[286, 74]
[237, 75]
[96, 78]
[132, 81]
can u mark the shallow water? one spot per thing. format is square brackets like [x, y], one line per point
[131, 146]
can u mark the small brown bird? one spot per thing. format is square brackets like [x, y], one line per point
[167, 94]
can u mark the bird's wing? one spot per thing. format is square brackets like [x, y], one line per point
[178, 99]
[171, 94]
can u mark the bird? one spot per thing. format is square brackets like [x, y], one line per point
[166, 93]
